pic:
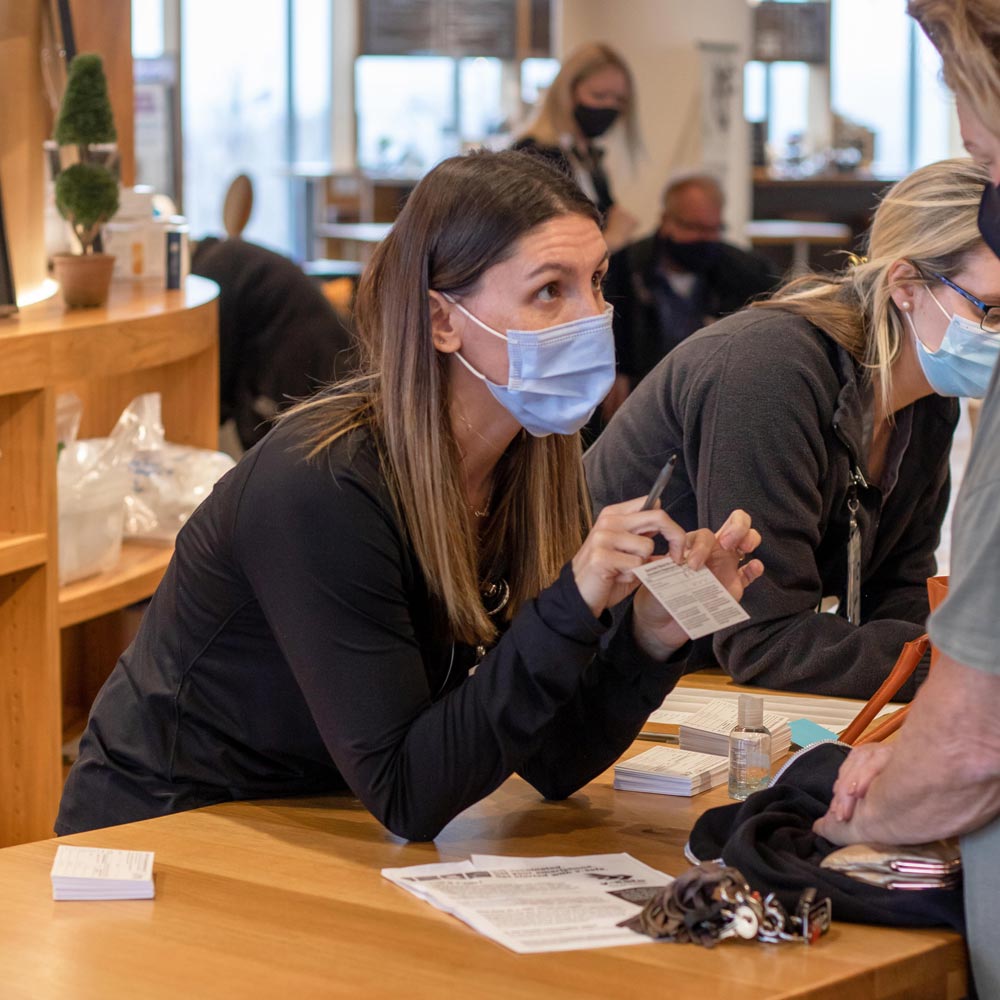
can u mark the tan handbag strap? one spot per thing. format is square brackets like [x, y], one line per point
[901, 672]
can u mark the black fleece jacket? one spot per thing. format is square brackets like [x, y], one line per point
[768, 414]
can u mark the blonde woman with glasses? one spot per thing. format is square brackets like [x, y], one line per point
[399, 592]
[829, 411]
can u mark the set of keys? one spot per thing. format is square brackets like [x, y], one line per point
[712, 902]
[749, 917]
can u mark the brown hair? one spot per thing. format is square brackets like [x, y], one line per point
[929, 219]
[967, 34]
[554, 117]
[465, 216]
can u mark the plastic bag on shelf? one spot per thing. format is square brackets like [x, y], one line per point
[168, 481]
[91, 486]
[132, 483]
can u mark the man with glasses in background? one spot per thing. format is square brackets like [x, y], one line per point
[681, 278]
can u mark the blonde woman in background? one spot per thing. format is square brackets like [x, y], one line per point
[941, 777]
[827, 411]
[592, 93]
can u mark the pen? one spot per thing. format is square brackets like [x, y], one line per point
[661, 482]
[658, 737]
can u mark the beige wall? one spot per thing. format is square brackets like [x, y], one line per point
[659, 39]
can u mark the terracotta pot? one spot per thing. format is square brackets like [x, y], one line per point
[84, 278]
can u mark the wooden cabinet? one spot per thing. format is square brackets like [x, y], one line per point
[144, 340]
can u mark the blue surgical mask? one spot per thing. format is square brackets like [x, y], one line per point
[557, 376]
[963, 364]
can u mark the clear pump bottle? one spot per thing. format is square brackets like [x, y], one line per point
[749, 749]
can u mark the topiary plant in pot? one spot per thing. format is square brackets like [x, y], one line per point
[87, 191]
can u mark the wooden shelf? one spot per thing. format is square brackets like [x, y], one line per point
[134, 578]
[22, 551]
[58, 645]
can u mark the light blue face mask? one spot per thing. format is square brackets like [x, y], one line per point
[558, 376]
[963, 364]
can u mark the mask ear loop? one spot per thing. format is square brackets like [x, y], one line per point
[916, 336]
[458, 305]
[478, 322]
[949, 316]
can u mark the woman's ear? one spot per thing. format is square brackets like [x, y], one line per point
[443, 332]
[904, 280]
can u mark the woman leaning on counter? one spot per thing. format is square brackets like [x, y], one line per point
[829, 411]
[399, 591]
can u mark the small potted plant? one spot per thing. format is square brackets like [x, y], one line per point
[87, 191]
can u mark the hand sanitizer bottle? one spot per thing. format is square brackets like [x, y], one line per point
[749, 749]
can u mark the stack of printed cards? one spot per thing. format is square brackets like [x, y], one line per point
[668, 771]
[96, 873]
[708, 731]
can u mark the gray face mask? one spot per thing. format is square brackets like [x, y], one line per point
[558, 376]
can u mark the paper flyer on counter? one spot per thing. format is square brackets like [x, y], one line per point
[532, 905]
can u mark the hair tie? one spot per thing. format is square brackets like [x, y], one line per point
[856, 261]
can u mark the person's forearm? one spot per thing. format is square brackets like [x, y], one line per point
[918, 799]
[944, 776]
[803, 650]
[623, 686]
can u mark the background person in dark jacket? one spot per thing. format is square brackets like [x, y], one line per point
[681, 278]
[279, 338]
[823, 405]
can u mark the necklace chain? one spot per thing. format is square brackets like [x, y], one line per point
[483, 511]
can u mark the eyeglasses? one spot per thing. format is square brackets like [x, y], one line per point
[990, 323]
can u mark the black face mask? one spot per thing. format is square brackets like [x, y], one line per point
[698, 257]
[989, 217]
[594, 121]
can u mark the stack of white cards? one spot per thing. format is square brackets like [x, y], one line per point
[668, 771]
[96, 873]
[708, 731]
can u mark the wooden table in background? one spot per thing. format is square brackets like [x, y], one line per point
[284, 898]
[800, 236]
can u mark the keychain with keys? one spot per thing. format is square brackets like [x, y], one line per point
[712, 902]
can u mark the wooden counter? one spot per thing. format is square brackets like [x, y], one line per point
[285, 898]
[144, 340]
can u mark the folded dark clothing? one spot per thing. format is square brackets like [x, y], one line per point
[770, 839]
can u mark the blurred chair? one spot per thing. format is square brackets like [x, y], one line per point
[237, 206]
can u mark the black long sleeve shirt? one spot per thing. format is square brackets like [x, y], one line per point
[294, 647]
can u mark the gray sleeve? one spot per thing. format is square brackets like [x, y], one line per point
[967, 626]
[756, 435]
[764, 439]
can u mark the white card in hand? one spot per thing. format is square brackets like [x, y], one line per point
[696, 599]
